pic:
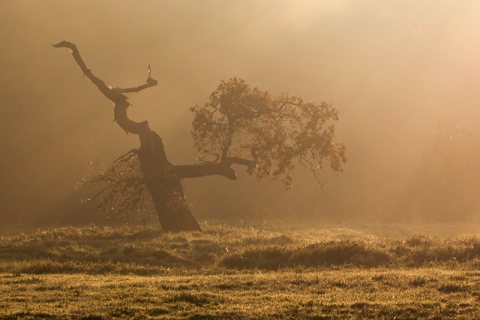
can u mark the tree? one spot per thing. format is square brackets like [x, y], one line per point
[239, 125]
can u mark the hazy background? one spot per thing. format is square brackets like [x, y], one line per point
[404, 75]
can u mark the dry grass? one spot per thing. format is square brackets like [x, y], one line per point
[236, 273]
[289, 294]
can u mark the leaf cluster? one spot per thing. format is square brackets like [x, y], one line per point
[272, 134]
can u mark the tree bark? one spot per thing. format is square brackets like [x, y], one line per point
[164, 185]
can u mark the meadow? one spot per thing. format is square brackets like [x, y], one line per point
[240, 272]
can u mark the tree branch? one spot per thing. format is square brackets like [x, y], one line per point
[127, 156]
[107, 92]
[205, 169]
[235, 160]
[213, 168]
[150, 83]
[114, 94]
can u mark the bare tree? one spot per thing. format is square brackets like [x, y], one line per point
[239, 125]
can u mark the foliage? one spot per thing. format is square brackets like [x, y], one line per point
[270, 133]
[119, 189]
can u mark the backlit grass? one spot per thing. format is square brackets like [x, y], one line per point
[287, 294]
[227, 272]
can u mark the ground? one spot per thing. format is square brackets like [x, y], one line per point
[247, 272]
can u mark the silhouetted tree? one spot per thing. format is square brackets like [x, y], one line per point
[239, 125]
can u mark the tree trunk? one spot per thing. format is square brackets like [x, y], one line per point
[164, 185]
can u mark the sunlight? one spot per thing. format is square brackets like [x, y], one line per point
[300, 15]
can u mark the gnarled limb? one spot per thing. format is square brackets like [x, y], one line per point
[236, 160]
[121, 117]
[150, 83]
[205, 169]
[222, 168]
[107, 92]
[114, 94]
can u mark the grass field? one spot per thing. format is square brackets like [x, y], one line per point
[244, 272]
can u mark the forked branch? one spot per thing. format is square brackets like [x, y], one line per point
[111, 93]
[114, 94]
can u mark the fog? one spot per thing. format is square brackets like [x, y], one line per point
[399, 72]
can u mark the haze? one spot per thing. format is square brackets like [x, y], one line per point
[400, 72]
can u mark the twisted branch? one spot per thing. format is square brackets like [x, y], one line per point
[114, 94]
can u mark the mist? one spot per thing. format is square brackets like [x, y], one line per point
[396, 71]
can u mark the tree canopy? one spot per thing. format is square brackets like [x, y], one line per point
[268, 134]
